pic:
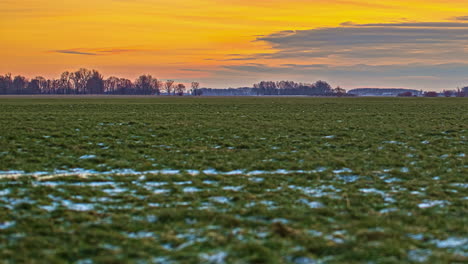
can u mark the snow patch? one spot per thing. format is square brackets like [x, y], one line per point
[8, 224]
[429, 204]
[216, 258]
[419, 255]
[220, 199]
[191, 189]
[233, 188]
[88, 157]
[452, 242]
[313, 204]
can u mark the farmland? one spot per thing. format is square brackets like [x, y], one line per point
[233, 180]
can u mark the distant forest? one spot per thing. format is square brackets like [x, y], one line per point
[319, 88]
[84, 81]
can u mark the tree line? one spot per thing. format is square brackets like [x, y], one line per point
[319, 88]
[84, 81]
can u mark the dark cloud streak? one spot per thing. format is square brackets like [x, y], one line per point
[462, 18]
[74, 52]
[98, 51]
[411, 24]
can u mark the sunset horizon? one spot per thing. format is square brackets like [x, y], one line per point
[409, 44]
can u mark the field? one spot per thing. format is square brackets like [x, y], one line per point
[233, 180]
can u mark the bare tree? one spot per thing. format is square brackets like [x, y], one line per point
[111, 85]
[143, 84]
[19, 84]
[53, 86]
[37, 85]
[338, 91]
[42, 82]
[179, 89]
[33, 87]
[66, 85]
[322, 88]
[156, 86]
[195, 90]
[80, 78]
[95, 83]
[168, 86]
[48, 88]
[6, 83]
[125, 86]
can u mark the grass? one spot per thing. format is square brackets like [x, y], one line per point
[322, 180]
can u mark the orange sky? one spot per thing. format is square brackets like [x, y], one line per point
[213, 41]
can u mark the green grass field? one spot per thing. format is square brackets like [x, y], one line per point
[233, 180]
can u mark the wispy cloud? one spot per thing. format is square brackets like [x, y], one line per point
[462, 18]
[411, 24]
[116, 50]
[195, 70]
[74, 52]
[370, 34]
[240, 59]
[98, 51]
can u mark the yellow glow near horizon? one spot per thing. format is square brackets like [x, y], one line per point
[163, 37]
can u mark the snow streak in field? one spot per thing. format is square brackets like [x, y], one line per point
[86, 172]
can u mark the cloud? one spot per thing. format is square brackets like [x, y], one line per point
[75, 52]
[410, 24]
[116, 50]
[195, 70]
[305, 66]
[417, 41]
[98, 51]
[370, 34]
[240, 59]
[462, 18]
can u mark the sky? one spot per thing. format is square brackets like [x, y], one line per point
[231, 43]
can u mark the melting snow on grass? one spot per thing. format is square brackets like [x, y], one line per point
[419, 255]
[88, 157]
[233, 188]
[313, 204]
[220, 199]
[428, 204]
[214, 258]
[452, 242]
[6, 225]
[191, 189]
[90, 172]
